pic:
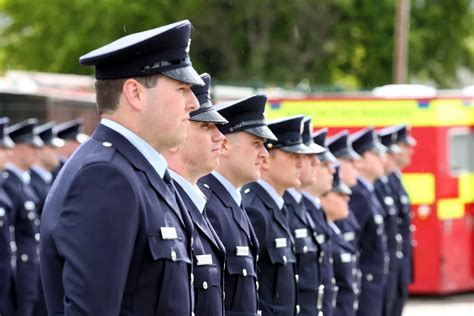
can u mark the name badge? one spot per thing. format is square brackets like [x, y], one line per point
[349, 236]
[320, 239]
[168, 233]
[280, 242]
[301, 233]
[346, 257]
[241, 251]
[378, 219]
[203, 260]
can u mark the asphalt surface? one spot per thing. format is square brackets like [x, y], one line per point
[456, 305]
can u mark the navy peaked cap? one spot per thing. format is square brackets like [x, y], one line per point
[366, 140]
[307, 137]
[163, 50]
[340, 146]
[319, 137]
[206, 112]
[24, 133]
[337, 184]
[5, 140]
[48, 135]
[388, 137]
[404, 135]
[288, 130]
[72, 130]
[246, 115]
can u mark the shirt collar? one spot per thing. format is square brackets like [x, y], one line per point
[366, 183]
[234, 192]
[23, 175]
[384, 179]
[157, 161]
[271, 191]
[295, 194]
[315, 200]
[43, 173]
[192, 190]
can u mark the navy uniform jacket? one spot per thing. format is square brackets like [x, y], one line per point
[277, 261]
[307, 255]
[345, 263]
[404, 223]
[373, 249]
[41, 188]
[394, 242]
[115, 238]
[326, 258]
[6, 273]
[236, 233]
[24, 218]
[208, 262]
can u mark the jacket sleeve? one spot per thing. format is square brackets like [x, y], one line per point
[95, 235]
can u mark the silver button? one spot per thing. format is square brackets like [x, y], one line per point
[13, 246]
[1, 223]
[2, 211]
[31, 216]
[399, 254]
[256, 258]
[379, 231]
[298, 309]
[29, 206]
[24, 257]
[244, 272]
[333, 281]
[412, 228]
[107, 144]
[297, 278]
[173, 255]
[305, 249]
[204, 285]
[284, 259]
[37, 222]
[322, 254]
[257, 285]
[206, 185]
[370, 277]
[37, 237]
[11, 228]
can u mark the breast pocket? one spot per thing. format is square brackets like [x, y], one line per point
[284, 286]
[168, 249]
[207, 290]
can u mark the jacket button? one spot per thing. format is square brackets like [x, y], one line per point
[305, 249]
[297, 309]
[204, 285]
[244, 272]
[285, 260]
[370, 277]
[37, 237]
[173, 255]
[257, 285]
[24, 257]
[107, 144]
[1, 225]
[297, 278]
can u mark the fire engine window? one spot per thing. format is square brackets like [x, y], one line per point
[461, 151]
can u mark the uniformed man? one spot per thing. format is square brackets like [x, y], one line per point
[335, 206]
[323, 184]
[189, 161]
[6, 240]
[71, 134]
[24, 214]
[403, 159]
[263, 201]
[308, 252]
[394, 238]
[245, 135]
[341, 147]
[115, 237]
[45, 163]
[374, 258]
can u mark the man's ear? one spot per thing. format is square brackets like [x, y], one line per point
[134, 93]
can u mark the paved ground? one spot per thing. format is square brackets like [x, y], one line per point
[456, 305]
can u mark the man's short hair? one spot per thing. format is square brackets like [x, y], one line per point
[108, 91]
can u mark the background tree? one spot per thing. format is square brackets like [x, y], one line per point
[338, 42]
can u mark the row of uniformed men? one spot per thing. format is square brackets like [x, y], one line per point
[155, 215]
[30, 157]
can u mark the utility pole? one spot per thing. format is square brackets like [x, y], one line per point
[400, 47]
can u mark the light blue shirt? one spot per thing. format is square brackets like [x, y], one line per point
[271, 191]
[157, 161]
[315, 200]
[192, 190]
[334, 227]
[295, 194]
[23, 175]
[366, 183]
[43, 173]
[234, 192]
[384, 179]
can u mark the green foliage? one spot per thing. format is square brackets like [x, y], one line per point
[346, 42]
